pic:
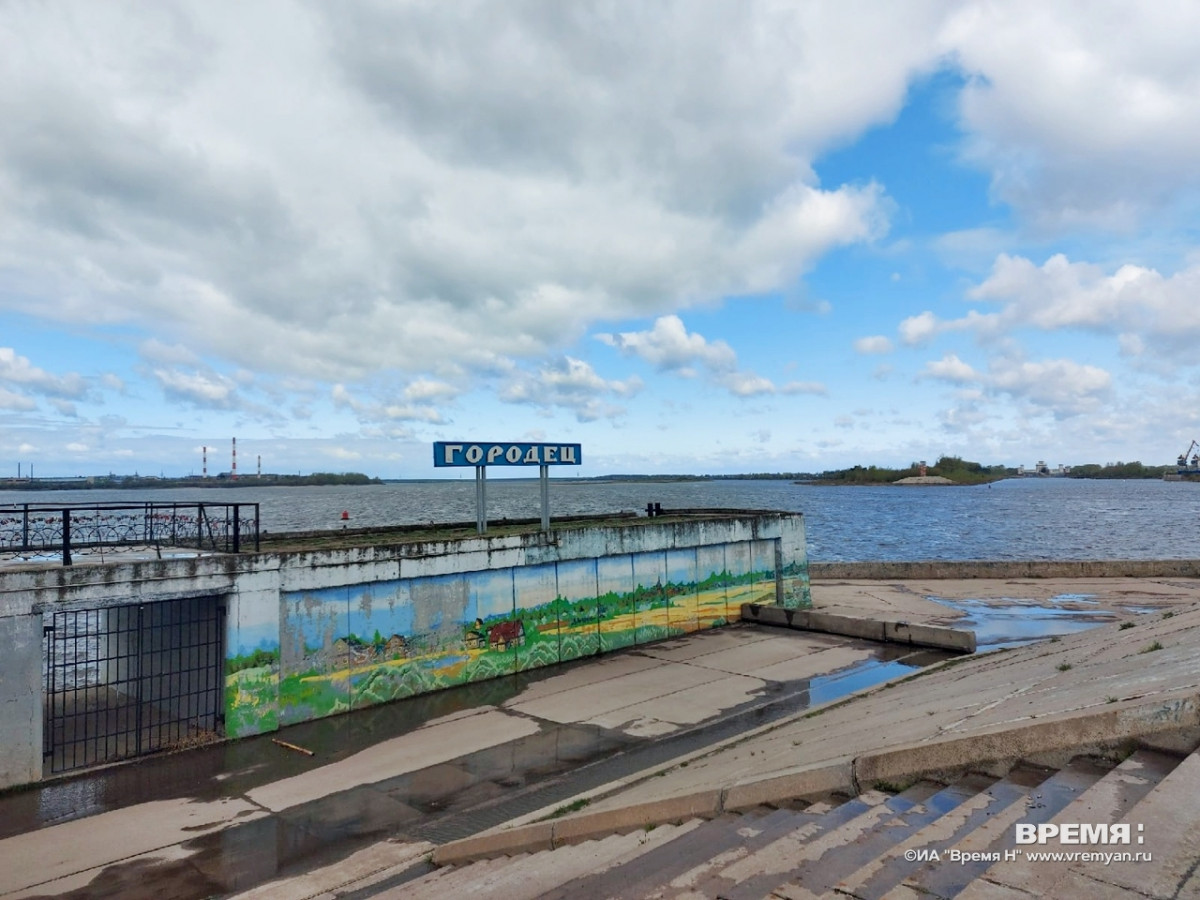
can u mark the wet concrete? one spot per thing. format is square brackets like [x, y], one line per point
[438, 802]
[231, 769]
[1011, 622]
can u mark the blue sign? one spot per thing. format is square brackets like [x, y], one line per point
[465, 454]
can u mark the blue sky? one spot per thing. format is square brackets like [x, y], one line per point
[692, 237]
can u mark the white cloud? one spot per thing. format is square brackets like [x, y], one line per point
[426, 187]
[427, 389]
[874, 344]
[160, 353]
[1063, 386]
[1150, 314]
[1060, 387]
[570, 384]
[413, 413]
[16, 402]
[670, 347]
[804, 387]
[919, 329]
[18, 370]
[1084, 114]
[746, 384]
[951, 368]
[198, 388]
[374, 412]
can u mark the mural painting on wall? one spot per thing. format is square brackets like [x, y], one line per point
[347, 647]
[252, 673]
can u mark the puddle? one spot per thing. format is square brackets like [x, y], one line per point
[824, 688]
[1012, 622]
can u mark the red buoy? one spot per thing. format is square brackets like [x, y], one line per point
[345, 515]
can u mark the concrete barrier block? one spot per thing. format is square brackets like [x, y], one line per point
[918, 635]
[582, 827]
[837, 776]
[956, 640]
[526, 839]
[1062, 733]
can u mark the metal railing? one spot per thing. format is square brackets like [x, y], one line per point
[123, 681]
[47, 530]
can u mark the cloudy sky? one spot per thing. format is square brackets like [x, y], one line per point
[692, 237]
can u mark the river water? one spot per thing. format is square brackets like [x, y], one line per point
[1019, 518]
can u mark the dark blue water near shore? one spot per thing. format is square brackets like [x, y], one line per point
[1028, 518]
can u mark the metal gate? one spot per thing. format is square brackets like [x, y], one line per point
[123, 681]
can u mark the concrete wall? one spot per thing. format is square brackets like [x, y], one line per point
[314, 633]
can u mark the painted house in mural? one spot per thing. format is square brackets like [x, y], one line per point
[505, 635]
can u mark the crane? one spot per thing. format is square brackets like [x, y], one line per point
[1183, 457]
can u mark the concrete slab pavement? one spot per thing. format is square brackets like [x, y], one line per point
[71, 854]
[439, 741]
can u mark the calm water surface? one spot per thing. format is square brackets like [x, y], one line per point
[1020, 518]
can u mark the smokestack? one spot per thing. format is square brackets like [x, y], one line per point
[260, 465]
[204, 458]
[234, 472]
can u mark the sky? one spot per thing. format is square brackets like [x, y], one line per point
[692, 237]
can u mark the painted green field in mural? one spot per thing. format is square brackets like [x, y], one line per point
[355, 646]
[542, 637]
[250, 701]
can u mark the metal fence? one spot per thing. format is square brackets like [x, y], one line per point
[50, 531]
[124, 681]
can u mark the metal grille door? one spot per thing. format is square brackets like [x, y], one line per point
[123, 681]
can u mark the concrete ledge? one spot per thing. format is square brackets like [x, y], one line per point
[1001, 569]
[1107, 729]
[956, 640]
[821, 779]
[581, 827]
[578, 828]
[526, 839]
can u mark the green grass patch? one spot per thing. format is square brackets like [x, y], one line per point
[574, 806]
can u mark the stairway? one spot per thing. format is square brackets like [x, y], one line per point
[928, 841]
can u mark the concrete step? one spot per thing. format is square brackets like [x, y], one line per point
[857, 848]
[537, 875]
[709, 878]
[1142, 792]
[712, 844]
[451, 881]
[849, 863]
[940, 878]
[943, 820]
[815, 845]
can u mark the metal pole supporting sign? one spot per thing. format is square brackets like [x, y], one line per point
[482, 455]
[544, 478]
[481, 499]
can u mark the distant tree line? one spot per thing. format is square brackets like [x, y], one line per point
[953, 468]
[223, 480]
[1119, 470]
